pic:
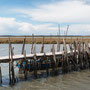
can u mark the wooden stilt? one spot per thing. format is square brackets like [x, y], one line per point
[80, 56]
[9, 60]
[13, 80]
[86, 56]
[58, 41]
[32, 44]
[23, 52]
[65, 62]
[11, 67]
[23, 48]
[30, 65]
[35, 66]
[42, 48]
[35, 63]
[47, 67]
[25, 67]
[54, 63]
[0, 76]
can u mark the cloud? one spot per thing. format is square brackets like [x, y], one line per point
[66, 11]
[9, 26]
[79, 29]
[75, 12]
[13, 27]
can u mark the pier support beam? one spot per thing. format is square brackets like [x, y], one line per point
[47, 66]
[0, 76]
[35, 67]
[12, 75]
[25, 66]
[11, 66]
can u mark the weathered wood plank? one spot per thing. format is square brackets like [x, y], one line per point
[4, 59]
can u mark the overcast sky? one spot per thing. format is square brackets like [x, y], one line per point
[41, 17]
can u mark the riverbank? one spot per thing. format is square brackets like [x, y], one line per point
[40, 39]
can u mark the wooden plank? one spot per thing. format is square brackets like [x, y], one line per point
[30, 56]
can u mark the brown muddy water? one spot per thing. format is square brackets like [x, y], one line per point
[71, 81]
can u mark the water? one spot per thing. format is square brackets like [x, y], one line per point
[70, 81]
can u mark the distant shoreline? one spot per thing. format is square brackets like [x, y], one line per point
[39, 39]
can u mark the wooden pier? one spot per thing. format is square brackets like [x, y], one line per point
[77, 58]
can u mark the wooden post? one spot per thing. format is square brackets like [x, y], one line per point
[12, 68]
[47, 68]
[35, 64]
[72, 58]
[25, 67]
[58, 41]
[65, 62]
[54, 64]
[32, 43]
[58, 46]
[50, 42]
[0, 76]
[9, 60]
[42, 48]
[30, 65]
[86, 56]
[23, 48]
[80, 56]
[23, 52]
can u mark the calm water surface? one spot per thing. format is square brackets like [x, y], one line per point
[71, 81]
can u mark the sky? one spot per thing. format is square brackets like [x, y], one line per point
[42, 17]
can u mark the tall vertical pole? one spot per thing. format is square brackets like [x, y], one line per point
[25, 67]
[59, 29]
[9, 61]
[47, 65]
[23, 48]
[32, 43]
[11, 66]
[58, 41]
[42, 47]
[54, 64]
[35, 63]
[0, 76]
[50, 41]
[66, 33]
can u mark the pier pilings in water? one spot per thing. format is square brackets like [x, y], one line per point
[75, 59]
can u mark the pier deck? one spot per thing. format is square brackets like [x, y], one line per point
[5, 59]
